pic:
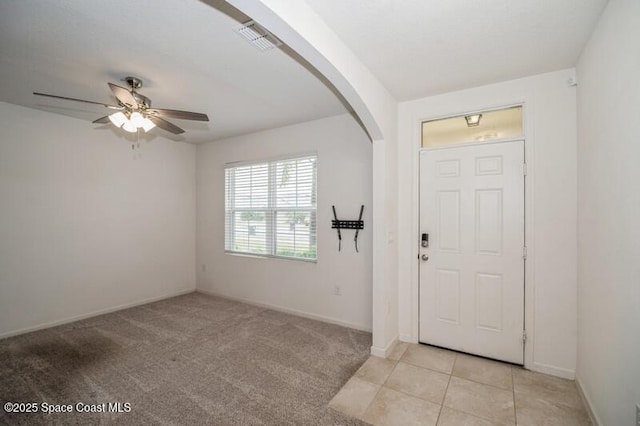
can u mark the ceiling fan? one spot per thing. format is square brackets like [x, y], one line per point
[134, 110]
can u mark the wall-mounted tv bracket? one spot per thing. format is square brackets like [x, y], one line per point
[347, 224]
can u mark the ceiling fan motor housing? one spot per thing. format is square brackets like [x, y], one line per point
[136, 83]
[143, 101]
[133, 82]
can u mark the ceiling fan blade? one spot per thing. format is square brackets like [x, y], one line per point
[174, 113]
[123, 95]
[102, 120]
[78, 100]
[164, 124]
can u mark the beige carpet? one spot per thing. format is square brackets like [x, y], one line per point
[193, 359]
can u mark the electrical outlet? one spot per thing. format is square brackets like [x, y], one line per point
[638, 415]
[337, 290]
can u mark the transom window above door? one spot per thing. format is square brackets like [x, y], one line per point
[270, 208]
[482, 126]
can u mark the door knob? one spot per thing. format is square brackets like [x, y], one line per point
[425, 257]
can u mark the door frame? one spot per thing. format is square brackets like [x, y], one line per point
[529, 281]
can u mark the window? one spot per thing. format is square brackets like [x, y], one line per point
[270, 208]
[476, 127]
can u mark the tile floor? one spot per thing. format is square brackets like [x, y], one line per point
[425, 385]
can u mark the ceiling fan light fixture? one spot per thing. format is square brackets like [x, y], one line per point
[147, 124]
[136, 119]
[118, 118]
[129, 127]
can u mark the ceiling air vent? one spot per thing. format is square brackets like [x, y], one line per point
[258, 36]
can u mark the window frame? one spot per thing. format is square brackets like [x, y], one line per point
[271, 210]
[468, 142]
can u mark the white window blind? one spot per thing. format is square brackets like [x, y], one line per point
[270, 208]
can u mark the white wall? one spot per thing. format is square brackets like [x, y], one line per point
[85, 227]
[550, 127]
[609, 215]
[344, 179]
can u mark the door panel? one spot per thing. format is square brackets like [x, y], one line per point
[472, 286]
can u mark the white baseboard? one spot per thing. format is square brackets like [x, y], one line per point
[408, 338]
[94, 313]
[384, 352]
[552, 370]
[287, 310]
[595, 420]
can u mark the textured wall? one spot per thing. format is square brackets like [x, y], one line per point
[344, 180]
[608, 214]
[84, 226]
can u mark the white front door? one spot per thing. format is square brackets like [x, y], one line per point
[472, 285]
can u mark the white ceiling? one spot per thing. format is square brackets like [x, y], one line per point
[418, 48]
[186, 52]
[190, 58]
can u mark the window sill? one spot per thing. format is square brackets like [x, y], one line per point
[268, 256]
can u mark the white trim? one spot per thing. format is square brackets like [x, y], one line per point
[287, 310]
[465, 144]
[285, 157]
[408, 338]
[384, 352]
[95, 313]
[552, 370]
[270, 256]
[479, 111]
[528, 115]
[595, 420]
[380, 299]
